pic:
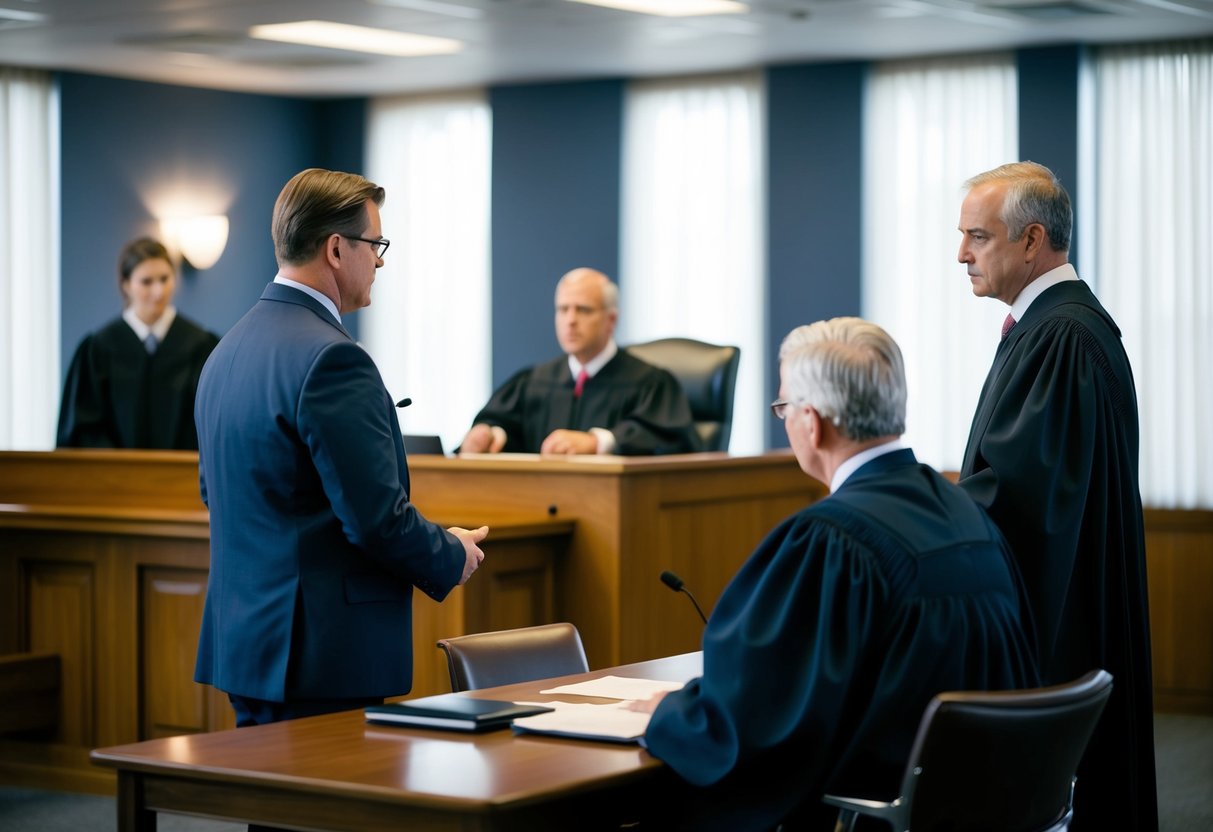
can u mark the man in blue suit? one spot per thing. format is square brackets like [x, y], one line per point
[315, 546]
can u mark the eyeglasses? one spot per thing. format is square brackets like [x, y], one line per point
[779, 407]
[380, 245]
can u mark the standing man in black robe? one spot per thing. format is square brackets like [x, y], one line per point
[132, 383]
[595, 399]
[1052, 456]
[826, 647]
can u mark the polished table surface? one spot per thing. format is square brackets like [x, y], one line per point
[339, 772]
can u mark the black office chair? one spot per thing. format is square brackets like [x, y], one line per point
[708, 375]
[993, 761]
[485, 660]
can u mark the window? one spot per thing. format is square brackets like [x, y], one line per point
[692, 232]
[428, 328]
[929, 125]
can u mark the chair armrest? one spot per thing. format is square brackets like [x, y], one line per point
[851, 807]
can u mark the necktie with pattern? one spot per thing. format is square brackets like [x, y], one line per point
[1006, 325]
[581, 378]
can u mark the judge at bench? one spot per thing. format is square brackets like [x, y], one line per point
[131, 384]
[826, 647]
[595, 399]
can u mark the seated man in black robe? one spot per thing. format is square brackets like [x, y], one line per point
[824, 650]
[595, 399]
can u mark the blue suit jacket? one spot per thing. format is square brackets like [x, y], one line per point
[315, 547]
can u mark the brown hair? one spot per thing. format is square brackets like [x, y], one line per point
[136, 252]
[315, 204]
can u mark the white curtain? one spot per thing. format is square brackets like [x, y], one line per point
[928, 126]
[1154, 251]
[29, 260]
[692, 245]
[428, 326]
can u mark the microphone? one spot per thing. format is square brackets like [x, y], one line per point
[675, 583]
[405, 402]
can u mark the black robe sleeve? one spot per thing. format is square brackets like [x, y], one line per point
[84, 420]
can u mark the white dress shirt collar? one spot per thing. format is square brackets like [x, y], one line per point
[308, 290]
[158, 327]
[853, 464]
[596, 363]
[1034, 289]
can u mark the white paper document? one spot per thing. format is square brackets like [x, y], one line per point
[612, 722]
[616, 687]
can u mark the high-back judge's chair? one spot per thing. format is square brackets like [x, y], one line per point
[708, 375]
[996, 761]
[503, 657]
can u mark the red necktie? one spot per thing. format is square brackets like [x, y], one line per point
[581, 377]
[1007, 324]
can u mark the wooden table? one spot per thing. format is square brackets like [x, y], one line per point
[340, 772]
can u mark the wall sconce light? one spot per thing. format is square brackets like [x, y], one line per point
[199, 239]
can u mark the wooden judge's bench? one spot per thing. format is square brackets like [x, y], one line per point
[104, 558]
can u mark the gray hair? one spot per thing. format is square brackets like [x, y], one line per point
[1033, 194]
[851, 372]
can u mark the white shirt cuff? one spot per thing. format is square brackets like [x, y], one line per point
[606, 440]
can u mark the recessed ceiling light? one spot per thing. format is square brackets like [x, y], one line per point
[435, 7]
[355, 38]
[672, 8]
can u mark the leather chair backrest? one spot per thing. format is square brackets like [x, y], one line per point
[503, 657]
[1000, 760]
[708, 376]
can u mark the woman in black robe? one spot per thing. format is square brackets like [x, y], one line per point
[131, 383]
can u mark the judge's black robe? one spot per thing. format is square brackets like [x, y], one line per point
[1053, 456]
[118, 396]
[642, 405]
[826, 647]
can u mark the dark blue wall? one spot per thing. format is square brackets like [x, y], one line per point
[555, 205]
[129, 149]
[1048, 115]
[814, 186]
[556, 159]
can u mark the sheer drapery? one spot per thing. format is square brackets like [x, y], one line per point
[929, 125]
[692, 247]
[1154, 192]
[428, 325]
[29, 260]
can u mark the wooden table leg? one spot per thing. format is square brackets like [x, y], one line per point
[133, 816]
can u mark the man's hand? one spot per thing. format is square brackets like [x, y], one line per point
[646, 706]
[469, 539]
[483, 439]
[569, 442]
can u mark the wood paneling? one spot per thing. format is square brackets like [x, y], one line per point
[114, 586]
[29, 692]
[1179, 562]
[697, 514]
[171, 603]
